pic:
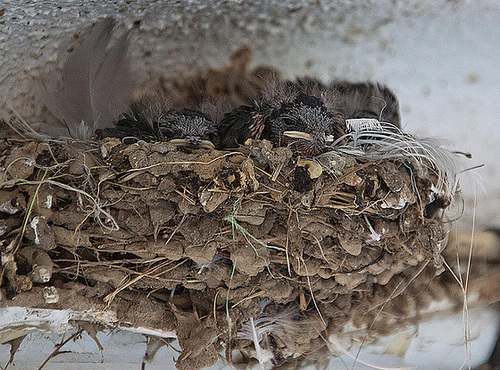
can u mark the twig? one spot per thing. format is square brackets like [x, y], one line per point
[184, 162]
[58, 348]
[109, 298]
[312, 294]
[98, 208]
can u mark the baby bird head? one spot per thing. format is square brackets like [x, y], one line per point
[306, 125]
[154, 120]
[188, 128]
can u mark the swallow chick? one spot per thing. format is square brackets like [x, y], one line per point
[286, 115]
[153, 119]
[367, 100]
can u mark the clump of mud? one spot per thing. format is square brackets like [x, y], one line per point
[255, 250]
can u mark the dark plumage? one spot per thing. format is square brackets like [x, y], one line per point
[286, 116]
[367, 100]
[152, 119]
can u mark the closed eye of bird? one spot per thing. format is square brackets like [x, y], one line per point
[285, 116]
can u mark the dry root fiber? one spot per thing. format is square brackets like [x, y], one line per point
[254, 250]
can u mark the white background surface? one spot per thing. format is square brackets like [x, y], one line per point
[436, 344]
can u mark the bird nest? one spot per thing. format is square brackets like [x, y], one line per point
[267, 251]
[254, 249]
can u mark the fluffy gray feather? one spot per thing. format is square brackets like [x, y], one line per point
[95, 87]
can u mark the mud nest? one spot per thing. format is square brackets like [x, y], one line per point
[220, 246]
[257, 252]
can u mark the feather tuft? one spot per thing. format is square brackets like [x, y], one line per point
[372, 140]
[257, 329]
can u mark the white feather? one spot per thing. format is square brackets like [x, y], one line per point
[372, 141]
[257, 329]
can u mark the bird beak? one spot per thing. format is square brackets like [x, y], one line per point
[180, 142]
[205, 144]
[298, 135]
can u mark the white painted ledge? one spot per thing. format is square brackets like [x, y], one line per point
[435, 343]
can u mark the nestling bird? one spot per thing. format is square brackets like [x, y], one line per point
[153, 119]
[367, 100]
[357, 100]
[286, 115]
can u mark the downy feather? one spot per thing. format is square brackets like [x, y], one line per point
[257, 329]
[369, 139]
